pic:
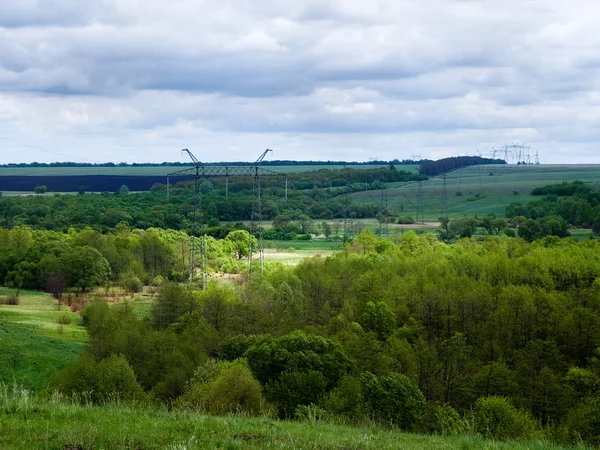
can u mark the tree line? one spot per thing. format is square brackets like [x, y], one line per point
[318, 195]
[560, 206]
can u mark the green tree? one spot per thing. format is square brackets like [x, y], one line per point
[40, 189]
[241, 240]
[326, 229]
[393, 398]
[172, 302]
[85, 267]
[378, 317]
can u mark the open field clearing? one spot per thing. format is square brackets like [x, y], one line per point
[163, 170]
[500, 186]
[33, 345]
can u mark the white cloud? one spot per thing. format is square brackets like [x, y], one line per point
[344, 79]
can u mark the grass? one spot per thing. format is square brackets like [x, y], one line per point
[32, 424]
[501, 185]
[33, 345]
[161, 170]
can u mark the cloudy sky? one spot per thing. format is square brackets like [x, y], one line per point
[137, 80]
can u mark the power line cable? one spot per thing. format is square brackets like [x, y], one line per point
[48, 151]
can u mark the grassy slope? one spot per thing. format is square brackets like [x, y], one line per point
[498, 183]
[32, 344]
[57, 425]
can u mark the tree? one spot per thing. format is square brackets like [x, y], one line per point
[123, 190]
[172, 302]
[394, 398]
[378, 317]
[40, 189]
[85, 267]
[206, 187]
[326, 229]
[241, 240]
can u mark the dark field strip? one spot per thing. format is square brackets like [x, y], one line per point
[90, 183]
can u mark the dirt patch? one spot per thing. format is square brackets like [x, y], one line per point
[248, 437]
[416, 225]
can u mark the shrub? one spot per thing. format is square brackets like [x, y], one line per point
[394, 399]
[496, 418]
[296, 388]
[10, 300]
[131, 283]
[407, 220]
[346, 400]
[64, 319]
[583, 422]
[441, 419]
[109, 379]
[222, 388]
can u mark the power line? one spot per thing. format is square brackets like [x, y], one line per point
[48, 151]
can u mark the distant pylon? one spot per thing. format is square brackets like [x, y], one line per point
[420, 218]
[444, 212]
[384, 208]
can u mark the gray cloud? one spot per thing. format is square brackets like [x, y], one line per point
[344, 79]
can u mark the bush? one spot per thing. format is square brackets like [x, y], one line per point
[393, 399]
[346, 400]
[223, 388]
[109, 379]
[441, 419]
[407, 220]
[583, 422]
[296, 388]
[64, 319]
[131, 283]
[496, 418]
[10, 300]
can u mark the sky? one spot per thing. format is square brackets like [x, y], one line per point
[138, 80]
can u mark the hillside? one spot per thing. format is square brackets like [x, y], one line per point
[27, 426]
[499, 184]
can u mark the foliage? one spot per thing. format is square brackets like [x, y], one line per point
[98, 382]
[496, 418]
[222, 388]
[393, 399]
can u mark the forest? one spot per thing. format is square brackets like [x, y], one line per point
[497, 336]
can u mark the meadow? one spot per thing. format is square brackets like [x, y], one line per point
[34, 345]
[26, 425]
[499, 185]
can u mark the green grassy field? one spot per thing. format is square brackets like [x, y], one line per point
[501, 185]
[33, 424]
[161, 170]
[33, 345]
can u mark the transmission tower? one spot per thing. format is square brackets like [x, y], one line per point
[384, 207]
[347, 220]
[198, 171]
[444, 212]
[537, 157]
[420, 217]
[256, 218]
